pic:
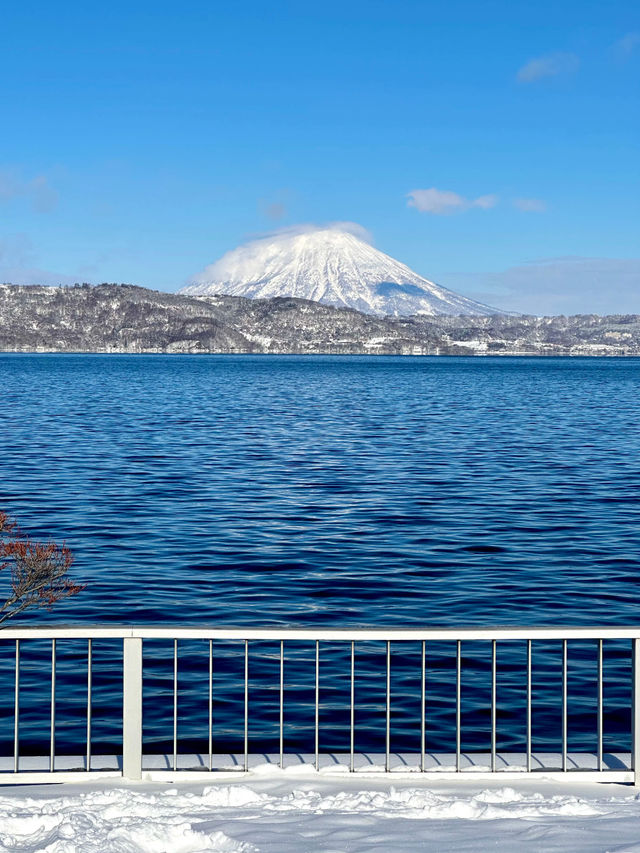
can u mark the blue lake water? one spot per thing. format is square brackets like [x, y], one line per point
[332, 491]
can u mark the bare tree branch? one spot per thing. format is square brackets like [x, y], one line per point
[38, 571]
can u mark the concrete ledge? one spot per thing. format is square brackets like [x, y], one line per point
[581, 766]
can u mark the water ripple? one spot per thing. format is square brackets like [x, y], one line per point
[330, 490]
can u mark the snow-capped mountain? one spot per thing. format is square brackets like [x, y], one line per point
[335, 265]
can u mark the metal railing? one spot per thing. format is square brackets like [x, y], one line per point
[130, 761]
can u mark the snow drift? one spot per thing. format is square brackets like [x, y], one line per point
[280, 813]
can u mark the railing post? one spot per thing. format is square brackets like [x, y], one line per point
[132, 708]
[635, 710]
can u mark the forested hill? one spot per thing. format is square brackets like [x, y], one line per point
[125, 318]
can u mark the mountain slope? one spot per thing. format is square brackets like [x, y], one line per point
[111, 318]
[331, 265]
[126, 319]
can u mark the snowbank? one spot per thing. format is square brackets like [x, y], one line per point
[278, 812]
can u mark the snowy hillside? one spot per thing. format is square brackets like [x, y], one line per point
[334, 265]
[124, 318]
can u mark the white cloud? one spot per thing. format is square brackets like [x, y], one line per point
[276, 207]
[36, 275]
[572, 285]
[530, 205]
[18, 264]
[44, 197]
[38, 190]
[625, 46]
[442, 202]
[548, 66]
[308, 228]
[252, 247]
[485, 202]
[275, 211]
[16, 250]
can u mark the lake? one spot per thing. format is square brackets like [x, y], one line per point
[330, 491]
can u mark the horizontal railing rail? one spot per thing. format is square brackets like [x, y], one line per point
[497, 632]
[131, 758]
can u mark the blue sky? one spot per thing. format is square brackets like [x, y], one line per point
[494, 147]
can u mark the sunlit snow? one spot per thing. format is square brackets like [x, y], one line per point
[276, 812]
[334, 265]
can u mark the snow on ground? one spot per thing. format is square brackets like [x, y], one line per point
[276, 811]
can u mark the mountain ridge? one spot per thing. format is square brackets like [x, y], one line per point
[111, 318]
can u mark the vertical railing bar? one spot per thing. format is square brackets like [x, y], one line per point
[317, 717]
[529, 758]
[210, 704]
[89, 709]
[423, 709]
[353, 716]
[52, 745]
[388, 721]
[246, 705]
[132, 665]
[635, 710]
[564, 705]
[175, 705]
[16, 712]
[493, 704]
[600, 720]
[281, 704]
[458, 698]
[528, 706]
